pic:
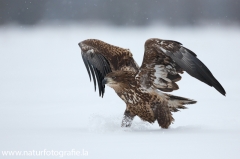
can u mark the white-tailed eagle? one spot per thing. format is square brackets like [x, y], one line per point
[141, 88]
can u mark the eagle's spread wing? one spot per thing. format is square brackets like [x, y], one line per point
[101, 58]
[165, 59]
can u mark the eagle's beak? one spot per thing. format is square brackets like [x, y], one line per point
[104, 81]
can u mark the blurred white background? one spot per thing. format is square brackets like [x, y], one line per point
[47, 101]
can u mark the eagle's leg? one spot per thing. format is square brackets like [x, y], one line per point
[163, 115]
[127, 118]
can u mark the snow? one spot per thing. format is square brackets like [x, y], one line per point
[47, 101]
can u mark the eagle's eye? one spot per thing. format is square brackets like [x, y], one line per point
[113, 77]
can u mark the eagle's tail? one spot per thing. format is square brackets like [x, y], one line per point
[175, 102]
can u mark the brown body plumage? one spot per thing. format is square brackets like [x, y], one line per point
[139, 87]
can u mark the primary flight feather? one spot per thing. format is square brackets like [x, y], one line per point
[141, 88]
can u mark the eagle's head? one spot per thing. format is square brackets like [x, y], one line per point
[119, 79]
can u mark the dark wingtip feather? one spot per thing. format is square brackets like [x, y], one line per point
[93, 75]
[219, 88]
[208, 76]
[97, 74]
[196, 68]
[87, 66]
[99, 80]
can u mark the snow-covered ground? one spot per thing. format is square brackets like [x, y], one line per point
[47, 101]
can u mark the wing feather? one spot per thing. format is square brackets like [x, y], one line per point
[87, 66]
[173, 59]
[93, 74]
[101, 58]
